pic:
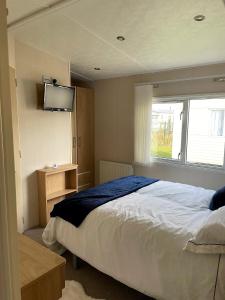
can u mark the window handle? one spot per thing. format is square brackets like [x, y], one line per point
[179, 155]
[181, 115]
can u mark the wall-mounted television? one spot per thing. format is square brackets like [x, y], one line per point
[58, 97]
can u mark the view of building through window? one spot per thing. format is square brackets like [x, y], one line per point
[205, 130]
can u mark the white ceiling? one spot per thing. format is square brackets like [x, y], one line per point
[160, 34]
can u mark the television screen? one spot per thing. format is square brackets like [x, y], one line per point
[58, 97]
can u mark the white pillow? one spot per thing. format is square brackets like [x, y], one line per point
[210, 238]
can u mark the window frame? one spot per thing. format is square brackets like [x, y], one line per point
[184, 132]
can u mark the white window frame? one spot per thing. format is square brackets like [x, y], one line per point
[185, 99]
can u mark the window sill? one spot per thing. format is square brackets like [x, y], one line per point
[176, 163]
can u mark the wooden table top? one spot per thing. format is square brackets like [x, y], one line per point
[36, 260]
[58, 169]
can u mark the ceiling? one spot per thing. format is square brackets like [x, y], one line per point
[160, 34]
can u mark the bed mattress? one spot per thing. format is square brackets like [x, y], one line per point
[138, 239]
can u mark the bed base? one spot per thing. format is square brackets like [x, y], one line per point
[75, 262]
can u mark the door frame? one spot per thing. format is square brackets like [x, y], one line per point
[16, 149]
[9, 264]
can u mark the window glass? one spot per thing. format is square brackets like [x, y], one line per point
[206, 131]
[166, 130]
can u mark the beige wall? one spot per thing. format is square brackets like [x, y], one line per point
[45, 136]
[114, 120]
[11, 50]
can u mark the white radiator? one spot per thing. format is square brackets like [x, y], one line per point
[110, 170]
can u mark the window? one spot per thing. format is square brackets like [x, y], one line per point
[191, 131]
[166, 129]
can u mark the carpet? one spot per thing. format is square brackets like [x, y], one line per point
[74, 291]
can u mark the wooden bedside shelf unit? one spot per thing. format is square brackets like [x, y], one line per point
[53, 185]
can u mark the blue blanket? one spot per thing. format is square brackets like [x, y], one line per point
[77, 206]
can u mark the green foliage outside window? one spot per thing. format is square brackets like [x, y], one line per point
[162, 139]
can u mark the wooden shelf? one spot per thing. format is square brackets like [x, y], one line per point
[59, 169]
[53, 185]
[60, 193]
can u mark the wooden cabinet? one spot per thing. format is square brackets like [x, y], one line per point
[53, 185]
[84, 136]
[41, 271]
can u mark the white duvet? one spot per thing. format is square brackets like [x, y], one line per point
[139, 239]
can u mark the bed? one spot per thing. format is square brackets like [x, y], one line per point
[139, 239]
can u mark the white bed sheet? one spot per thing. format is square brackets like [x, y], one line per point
[139, 239]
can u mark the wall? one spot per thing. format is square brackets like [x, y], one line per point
[11, 50]
[114, 120]
[45, 136]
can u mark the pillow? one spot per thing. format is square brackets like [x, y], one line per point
[218, 199]
[210, 238]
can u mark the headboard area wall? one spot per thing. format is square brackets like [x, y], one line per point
[45, 137]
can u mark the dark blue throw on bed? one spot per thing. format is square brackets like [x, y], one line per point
[77, 206]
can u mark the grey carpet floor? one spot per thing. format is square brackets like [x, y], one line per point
[99, 285]
[95, 283]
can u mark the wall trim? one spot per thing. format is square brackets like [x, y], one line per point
[9, 263]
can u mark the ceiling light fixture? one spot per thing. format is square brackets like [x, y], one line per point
[219, 79]
[120, 38]
[199, 18]
[97, 69]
